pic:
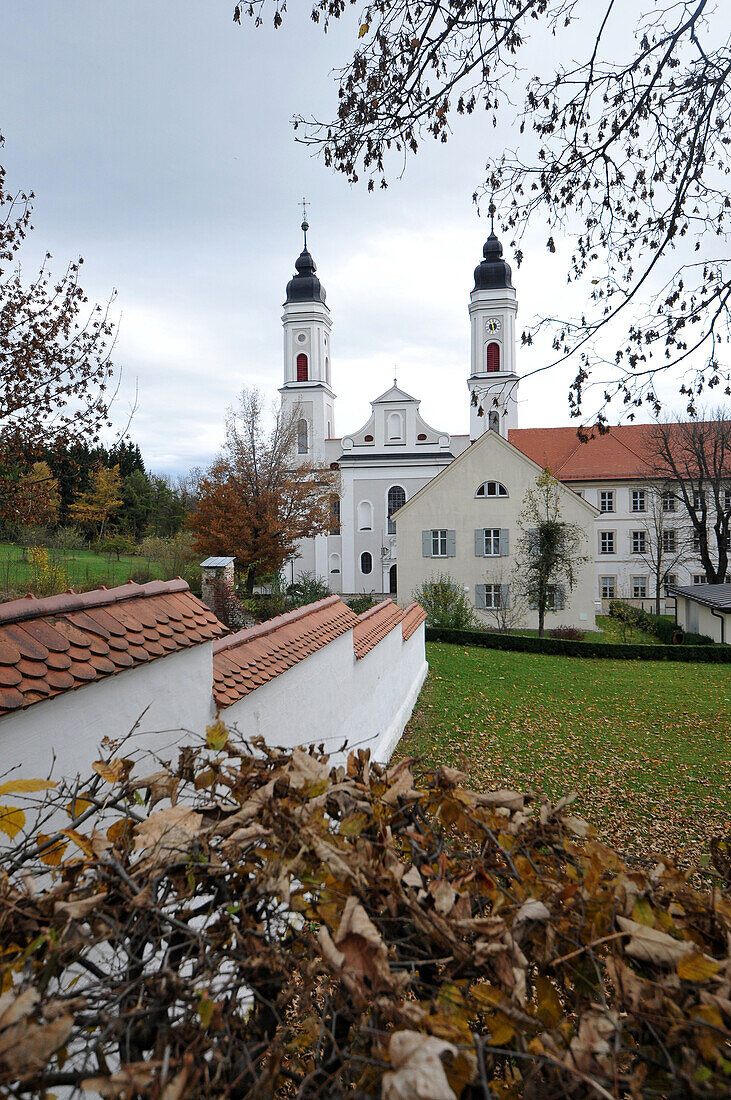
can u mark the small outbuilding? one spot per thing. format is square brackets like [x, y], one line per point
[705, 609]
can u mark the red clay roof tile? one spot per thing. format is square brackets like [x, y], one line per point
[624, 452]
[375, 624]
[55, 644]
[253, 657]
[414, 616]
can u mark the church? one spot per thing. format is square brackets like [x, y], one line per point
[395, 453]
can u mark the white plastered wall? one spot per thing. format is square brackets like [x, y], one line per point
[696, 618]
[170, 698]
[373, 702]
[449, 502]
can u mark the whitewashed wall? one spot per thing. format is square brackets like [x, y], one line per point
[332, 697]
[699, 619]
[170, 698]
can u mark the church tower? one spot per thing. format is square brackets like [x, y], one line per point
[493, 381]
[307, 357]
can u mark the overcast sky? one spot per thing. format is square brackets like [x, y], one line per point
[158, 140]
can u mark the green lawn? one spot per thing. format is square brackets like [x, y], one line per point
[82, 567]
[647, 745]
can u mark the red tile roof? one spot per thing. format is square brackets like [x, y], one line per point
[53, 645]
[244, 661]
[623, 452]
[375, 624]
[414, 616]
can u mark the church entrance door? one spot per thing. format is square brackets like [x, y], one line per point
[392, 581]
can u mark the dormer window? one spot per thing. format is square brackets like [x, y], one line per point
[491, 489]
[395, 427]
[302, 367]
[493, 357]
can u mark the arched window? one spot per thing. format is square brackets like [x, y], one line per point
[491, 489]
[302, 447]
[327, 369]
[365, 516]
[493, 357]
[334, 515]
[395, 427]
[302, 367]
[335, 563]
[366, 562]
[396, 500]
[493, 420]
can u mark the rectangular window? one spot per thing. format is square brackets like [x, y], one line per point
[726, 499]
[638, 500]
[696, 542]
[492, 542]
[639, 542]
[670, 541]
[639, 588]
[606, 542]
[699, 578]
[492, 596]
[606, 500]
[670, 581]
[439, 544]
[668, 501]
[608, 587]
[699, 500]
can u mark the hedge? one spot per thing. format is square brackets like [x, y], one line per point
[560, 647]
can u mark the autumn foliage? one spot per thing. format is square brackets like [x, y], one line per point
[257, 500]
[250, 922]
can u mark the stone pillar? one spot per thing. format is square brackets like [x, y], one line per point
[216, 573]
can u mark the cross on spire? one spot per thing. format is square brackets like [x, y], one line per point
[305, 224]
[492, 215]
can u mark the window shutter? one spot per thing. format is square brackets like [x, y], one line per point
[480, 543]
[480, 598]
[560, 598]
[504, 542]
[451, 543]
[426, 544]
[505, 595]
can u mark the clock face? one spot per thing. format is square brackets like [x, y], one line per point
[493, 324]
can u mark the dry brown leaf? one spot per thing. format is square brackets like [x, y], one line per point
[412, 878]
[160, 785]
[532, 909]
[418, 1069]
[330, 953]
[305, 771]
[402, 787]
[510, 800]
[34, 1043]
[444, 896]
[651, 945]
[77, 910]
[168, 833]
[14, 1007]
[126, 1082]
[114, 770]
[358, 939]
[590, 1049]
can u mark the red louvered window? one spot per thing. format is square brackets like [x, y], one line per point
[493, 357]
[301, 367]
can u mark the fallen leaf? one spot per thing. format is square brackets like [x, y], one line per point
[26, 786]
[419, 1072]
[651, 945]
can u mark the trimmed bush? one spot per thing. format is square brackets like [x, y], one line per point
[570, 633]
[559, 647]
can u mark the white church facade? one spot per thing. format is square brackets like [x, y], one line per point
[395, 453]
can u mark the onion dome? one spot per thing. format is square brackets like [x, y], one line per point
[492, 273]
[305, 285]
